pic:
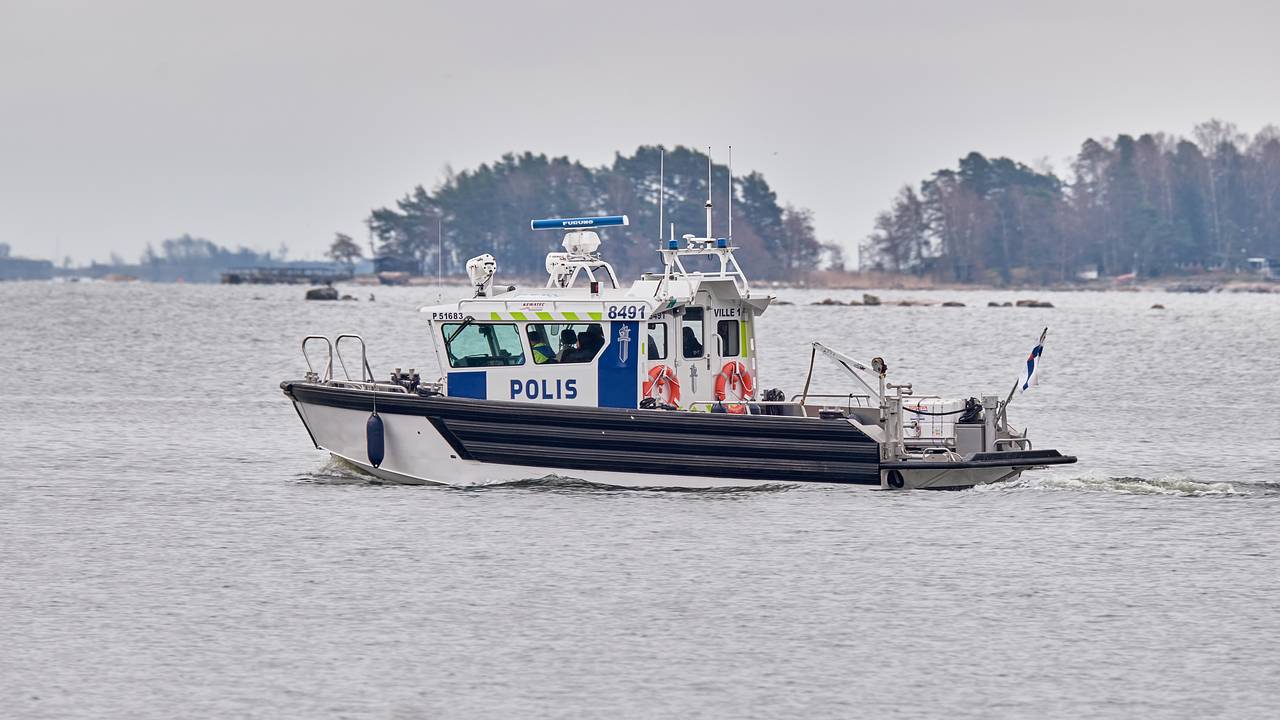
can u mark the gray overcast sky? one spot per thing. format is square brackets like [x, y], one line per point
[261, 123]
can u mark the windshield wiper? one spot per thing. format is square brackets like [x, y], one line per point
[461, 327]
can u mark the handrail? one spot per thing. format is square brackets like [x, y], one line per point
[673, 266]
[846, 396]
[740, 402]
[328, 365]
[371, 386]
[366, 373]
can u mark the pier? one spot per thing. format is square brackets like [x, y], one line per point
[285, 276]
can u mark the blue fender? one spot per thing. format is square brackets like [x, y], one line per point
[375, 438]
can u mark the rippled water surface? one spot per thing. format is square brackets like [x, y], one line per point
[172, 546]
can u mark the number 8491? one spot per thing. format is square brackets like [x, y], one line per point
[625, 312]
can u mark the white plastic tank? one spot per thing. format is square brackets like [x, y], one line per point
[934, 426]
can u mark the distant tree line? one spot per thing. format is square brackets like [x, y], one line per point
[488, 209]
[194, 259]
[187, 259]
[1154, 205]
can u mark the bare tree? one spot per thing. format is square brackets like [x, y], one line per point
[344, 250]
[1214, 136]
[800, 246]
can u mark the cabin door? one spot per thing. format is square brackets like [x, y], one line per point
[696, 356]
[731, 365]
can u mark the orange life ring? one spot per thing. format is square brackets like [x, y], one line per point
[734, 376]
[661, 376]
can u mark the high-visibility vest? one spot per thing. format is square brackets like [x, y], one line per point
[541, 352]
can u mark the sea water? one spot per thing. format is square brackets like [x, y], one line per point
[171, 545]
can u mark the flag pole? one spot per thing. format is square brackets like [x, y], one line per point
[1002, 414]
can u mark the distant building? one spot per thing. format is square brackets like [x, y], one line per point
[1262, 266]
[393, 264]
[16, 268]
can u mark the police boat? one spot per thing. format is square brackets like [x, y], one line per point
[652, 385]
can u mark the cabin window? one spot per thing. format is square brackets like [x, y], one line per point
[564, 343]
[657, 341]
[475, 344]
[691, 332]
[730, 338]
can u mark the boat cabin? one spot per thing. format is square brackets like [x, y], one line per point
[679, 338]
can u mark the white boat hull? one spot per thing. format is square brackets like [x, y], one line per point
[416, 452]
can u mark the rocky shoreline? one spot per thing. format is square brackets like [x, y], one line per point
[869, 300]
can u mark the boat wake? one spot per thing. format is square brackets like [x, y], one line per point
[1129, 485]
[338, 472]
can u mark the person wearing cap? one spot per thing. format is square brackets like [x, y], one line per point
[542, 352]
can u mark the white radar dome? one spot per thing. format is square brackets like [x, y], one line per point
[582, 242]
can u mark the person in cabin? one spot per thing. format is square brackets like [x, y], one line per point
[692, 346]
[542, 352]
[568, 344]
[595, 338]
[590, 341]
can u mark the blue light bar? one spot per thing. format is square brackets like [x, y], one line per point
[579, 223]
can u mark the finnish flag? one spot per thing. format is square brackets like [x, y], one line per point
[1033, 365]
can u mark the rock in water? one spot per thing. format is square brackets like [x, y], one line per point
[869, 299]
[952, 303]
[322, 293]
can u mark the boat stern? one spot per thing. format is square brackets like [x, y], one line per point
[966, 472]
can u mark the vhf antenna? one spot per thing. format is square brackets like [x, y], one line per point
[662, 178]
[730, 194]
[708, 192]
